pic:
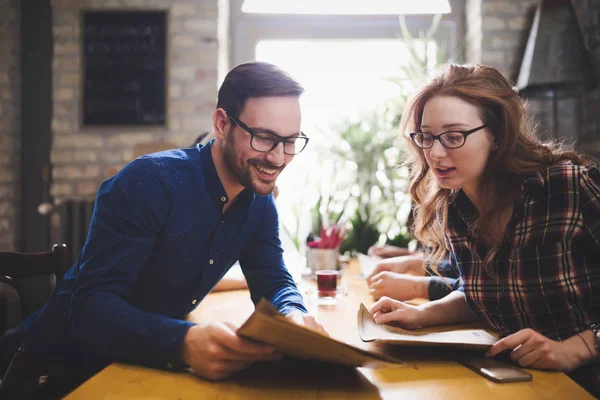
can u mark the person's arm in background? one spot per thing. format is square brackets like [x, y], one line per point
[388, 251]
[407, 264]
[266, 274]
[401, 278]
[232, 280]
[226, 284]
[452, 308]
[440, 286]
[449, 281]
[404, 278]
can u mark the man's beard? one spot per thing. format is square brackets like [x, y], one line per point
[243, 175]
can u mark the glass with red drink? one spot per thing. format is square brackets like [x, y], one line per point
[327, 282]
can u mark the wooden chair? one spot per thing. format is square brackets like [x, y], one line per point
[15, 268]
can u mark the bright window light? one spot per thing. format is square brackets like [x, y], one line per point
[344, 79]
[346, 6]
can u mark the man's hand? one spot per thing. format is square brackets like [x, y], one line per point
[399, 286]
[534, 350]
[306, 320]
[413, 264]
[214, 350]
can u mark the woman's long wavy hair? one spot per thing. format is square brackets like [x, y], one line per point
[518, 152]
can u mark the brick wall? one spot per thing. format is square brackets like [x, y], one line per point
[588, 16]
[497, 32]
[83, 157]
[9, 122]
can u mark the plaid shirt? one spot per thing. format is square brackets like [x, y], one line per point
[548, 264]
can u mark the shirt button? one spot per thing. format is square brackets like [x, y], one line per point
[211, 261]
[194, 301]
[223, 198]
[169, 366]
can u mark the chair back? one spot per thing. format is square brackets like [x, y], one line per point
[17, 268]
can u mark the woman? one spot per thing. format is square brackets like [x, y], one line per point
[519, 217]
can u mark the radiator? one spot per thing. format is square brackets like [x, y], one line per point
[69, 223]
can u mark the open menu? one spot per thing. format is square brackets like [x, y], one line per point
[267, 325]
[370, 331]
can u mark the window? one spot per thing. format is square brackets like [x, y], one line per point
[343, 63]
[361, 7]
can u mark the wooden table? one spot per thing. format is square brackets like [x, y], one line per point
[427, 374]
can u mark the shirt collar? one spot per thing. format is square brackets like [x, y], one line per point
[534, 183]
[463, 206]
[213, 184]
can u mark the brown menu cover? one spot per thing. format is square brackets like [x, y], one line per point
[267, 325]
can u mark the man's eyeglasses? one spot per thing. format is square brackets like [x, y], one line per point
[450, 139]
[266, 141]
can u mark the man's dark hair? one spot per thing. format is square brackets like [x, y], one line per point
[254, 79]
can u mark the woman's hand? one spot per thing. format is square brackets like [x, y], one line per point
[534, 350]
[388, 310]
[399, 286]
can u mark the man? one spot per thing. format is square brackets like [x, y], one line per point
[165, 229]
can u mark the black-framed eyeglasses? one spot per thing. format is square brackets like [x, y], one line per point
[266, 141]
[449, 139]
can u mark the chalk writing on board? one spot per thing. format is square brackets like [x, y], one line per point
[124, 66]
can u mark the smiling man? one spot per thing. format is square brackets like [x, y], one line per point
[165, 229]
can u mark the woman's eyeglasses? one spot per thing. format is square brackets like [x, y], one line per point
[450, 139]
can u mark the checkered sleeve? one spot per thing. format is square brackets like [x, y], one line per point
[590, 203]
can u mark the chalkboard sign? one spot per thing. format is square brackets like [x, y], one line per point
[124, 68]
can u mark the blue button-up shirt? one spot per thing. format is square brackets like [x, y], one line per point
[158, 243]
